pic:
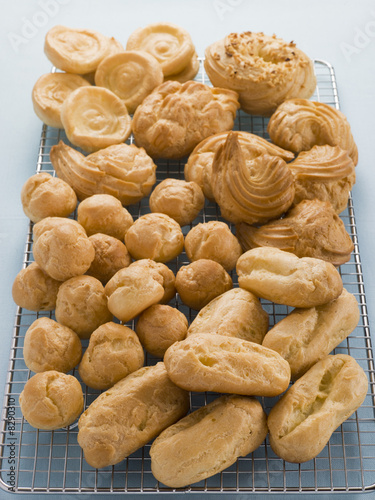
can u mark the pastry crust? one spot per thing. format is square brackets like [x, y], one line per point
[264, 70]
[168, 279]
[189, 72]
[175, 117]
[300, 124]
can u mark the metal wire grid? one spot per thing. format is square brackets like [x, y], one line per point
[42, 461]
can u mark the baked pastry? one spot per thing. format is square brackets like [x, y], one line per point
[236, 313]
[170, 44]
[159, 326]
[82, 305]
[176, 117]
[264, 70]
[208, 440]
[114, 48]
[103, 213]
[189, 72]
[300, 124]
[326, 173]
[95, 118]
[129, 414]
[154, 236]
[34, 289]
[199, 165]
[51, 346]
[201, 281]
[218, 363]
[213, 240]
[51, 400]
[310, 229]
[251, 190]
[306, 336]
[178, 199]
[131, 75]
[62, 248]
[49, 93]
[123, 171]
[168, 279]
[114, 351]
[284, 278]
[302, 421]
[111, 255]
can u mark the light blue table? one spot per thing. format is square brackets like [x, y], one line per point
[339, 31]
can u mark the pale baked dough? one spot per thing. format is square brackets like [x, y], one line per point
[284, 278]
[51, 400]
[303, 420]
[264, 70]
[168, 279]
[114, 351]
[129, 414]
[126, 172]
[176, 117]
[189, 72]
[114, 48]
[218, 363]
[208, 440]
[51, 346]
[95, 118]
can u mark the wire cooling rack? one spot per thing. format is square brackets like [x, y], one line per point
[37, 461]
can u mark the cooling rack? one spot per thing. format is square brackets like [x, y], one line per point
[36, 461]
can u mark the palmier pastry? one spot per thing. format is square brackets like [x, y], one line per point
[123, 171]
[324, 172]
[251, 190]
[264, 70]
[94, 118]
[199, 165]
[300, 124]
[175, 117]
[310, 229]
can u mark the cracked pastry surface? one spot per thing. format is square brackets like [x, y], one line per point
[168, 279]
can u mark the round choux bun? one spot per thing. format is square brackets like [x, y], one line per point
[167, 275]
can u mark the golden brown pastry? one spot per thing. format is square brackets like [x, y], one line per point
[34, 289]
[189, 72]
[252, 190]
[303, 420]
[306, 336]
[159, 326]
[49, 93]
[284, 278]
[114, 48]
[51, 346]
[264, 70]
[199, 165]
[310, 229]
[201, 281]
[154, 236]
[95, 118]
[168, 279]
[178, 199]
[175, 117]
[45, 196]
[300, 124]
[126, 172]
[129, 414]
[62, 248]
[51, 400]
[236, 313]
[213, 240]
[218, 363]
[114, 351]
[131, 75]
[82, 305]
[208, 440]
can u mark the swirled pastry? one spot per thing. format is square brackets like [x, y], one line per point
[114, 48]
[199, 165]
[264, 70]
[170, 44]
[188, 73]
[299, 124]
[324, 172]
[126, 172]
[94, 118]
[253, 189]
[131, 75]
[175, 117]
[310, 229]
